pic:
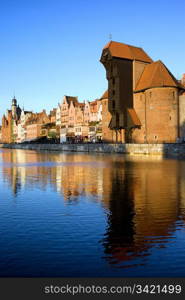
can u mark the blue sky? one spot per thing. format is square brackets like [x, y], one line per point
[51, 48]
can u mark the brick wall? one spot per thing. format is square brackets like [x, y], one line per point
[157, 109]
[107, 134]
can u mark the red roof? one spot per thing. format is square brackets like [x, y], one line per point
[156, 75]
[105, 95]
[127, 51]
[72, 99]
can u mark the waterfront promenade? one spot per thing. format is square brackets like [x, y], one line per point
[152, 149]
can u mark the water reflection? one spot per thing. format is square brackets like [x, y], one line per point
[143, 198]
[71, 175]
[146, 201]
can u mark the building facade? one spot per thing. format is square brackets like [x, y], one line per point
[10, 122]
[144, 98]
[36, 126]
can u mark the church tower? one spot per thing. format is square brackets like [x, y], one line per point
[14, 108]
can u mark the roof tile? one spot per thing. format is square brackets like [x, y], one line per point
[127, 51]
[105, 95]
[156, 74]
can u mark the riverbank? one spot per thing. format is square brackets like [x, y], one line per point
[153, 149]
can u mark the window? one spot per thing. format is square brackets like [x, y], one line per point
[113, 104]
[92, 129]
[78, 129]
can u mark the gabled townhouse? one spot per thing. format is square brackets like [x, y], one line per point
[52, 116]
[66, 132]
[21, 129]
[99, 115]
[95, 120]
[94, 111]
[35, 126]
[53, 131]
[58, 115]
[81, 130]
[107, 133]
[87, 112]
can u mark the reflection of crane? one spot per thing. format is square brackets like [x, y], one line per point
[141, 216]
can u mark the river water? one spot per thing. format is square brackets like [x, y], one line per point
[99, 215]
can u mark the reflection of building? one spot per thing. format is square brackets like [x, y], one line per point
[15, 175]
[83, 177]
[144, 97]
[77, 176]
[19, 174]
[143, 196]
[145, 204]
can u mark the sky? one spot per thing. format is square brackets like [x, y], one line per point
[52, 48]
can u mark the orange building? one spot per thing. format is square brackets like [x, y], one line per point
[144, 98]
[107, 133]
[87, 113]
[34, 125]
[52, 115]
[66, 131]
[183, 80]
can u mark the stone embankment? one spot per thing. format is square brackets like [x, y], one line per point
[159, 149]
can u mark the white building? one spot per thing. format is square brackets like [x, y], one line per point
[21, 130]
[58, 115]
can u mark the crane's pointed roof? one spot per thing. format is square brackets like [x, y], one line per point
[127, 51]
[156, 74]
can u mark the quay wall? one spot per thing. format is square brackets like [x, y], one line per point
[159, 149]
